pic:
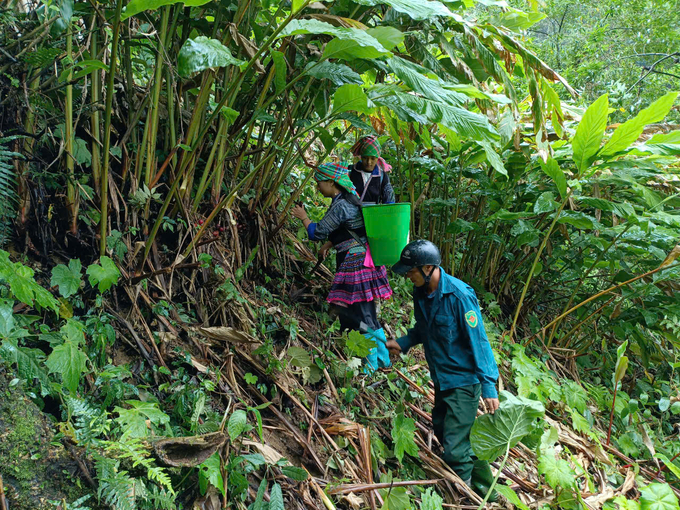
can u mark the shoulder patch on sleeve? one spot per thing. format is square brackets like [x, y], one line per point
[471, 318]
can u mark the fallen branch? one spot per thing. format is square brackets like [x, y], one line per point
[363, 487]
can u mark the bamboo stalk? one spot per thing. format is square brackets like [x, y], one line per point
[104, 195]
[72, 195]
[95, 119]
[536, 259]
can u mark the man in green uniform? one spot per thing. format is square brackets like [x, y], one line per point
[462, 365]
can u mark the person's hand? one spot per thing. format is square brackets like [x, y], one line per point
[299, 212]
[393, 347]
[492, 404]
[323, 252]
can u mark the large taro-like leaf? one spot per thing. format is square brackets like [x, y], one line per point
[203, 53]
[350, 97]
[339, 74]
[493, 434]
[416, 9]
[136, 6]
[412, 108]
[389, 37]
[589, 133]
[414, 76]
[353, 35]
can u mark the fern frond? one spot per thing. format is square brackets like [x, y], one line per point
[8, 185]
[137, 452]
[116, 488]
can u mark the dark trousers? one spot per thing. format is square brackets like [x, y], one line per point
[363, 311]
[453, 415]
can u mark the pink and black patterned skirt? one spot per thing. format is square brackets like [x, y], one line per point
[354, 283]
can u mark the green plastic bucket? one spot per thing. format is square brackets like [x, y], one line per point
[387, 228]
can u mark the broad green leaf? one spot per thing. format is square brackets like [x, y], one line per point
[259, 504]
[578, 219]
[630, 131]
[493, 158]
[28, 361]
[297, 4]
[672, 138]
[299, 357]
[624, 210]
[350, 97]
[103, 276]
[280, 69]
[7, 321]
[210, 472]
[313, 26]
[73, 331]
[464, 122]
[658, 496]
[295, 473]
[671, 467]
[545, 203]
[136, 6]
[664, 404]
[403, 435]
[339, 74]
[459, 226]
[359, 345]
[620, 371]
[389, 37]
[396, 498]
[348, 49]
[81, 153]
[276, 498]
[517, 20]
[67, 278]
[675, 410]
[493, 434]
[204, 53]
[553, 170]
[511, 496]
[626, 504]
[133, 420]
[237, 424]
[576, 396]
[589, 133]
[557, 472]
[629, 446]
[430, 500]
[417, 79]
[69, 361]
[416, 9]
[549, 437]
[23, 285]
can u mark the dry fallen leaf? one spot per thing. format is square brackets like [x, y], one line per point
[227, 334]
[270, 454]
[352, 500]
[596, 501]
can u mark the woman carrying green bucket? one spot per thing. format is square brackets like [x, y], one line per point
[358, 284]
[370, 174]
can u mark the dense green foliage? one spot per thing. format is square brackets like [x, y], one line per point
[150, 153]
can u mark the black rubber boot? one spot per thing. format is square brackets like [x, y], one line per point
[482, 478]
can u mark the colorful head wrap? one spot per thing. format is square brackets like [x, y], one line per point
[370, 146]
[338, 172]
[367, 146]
